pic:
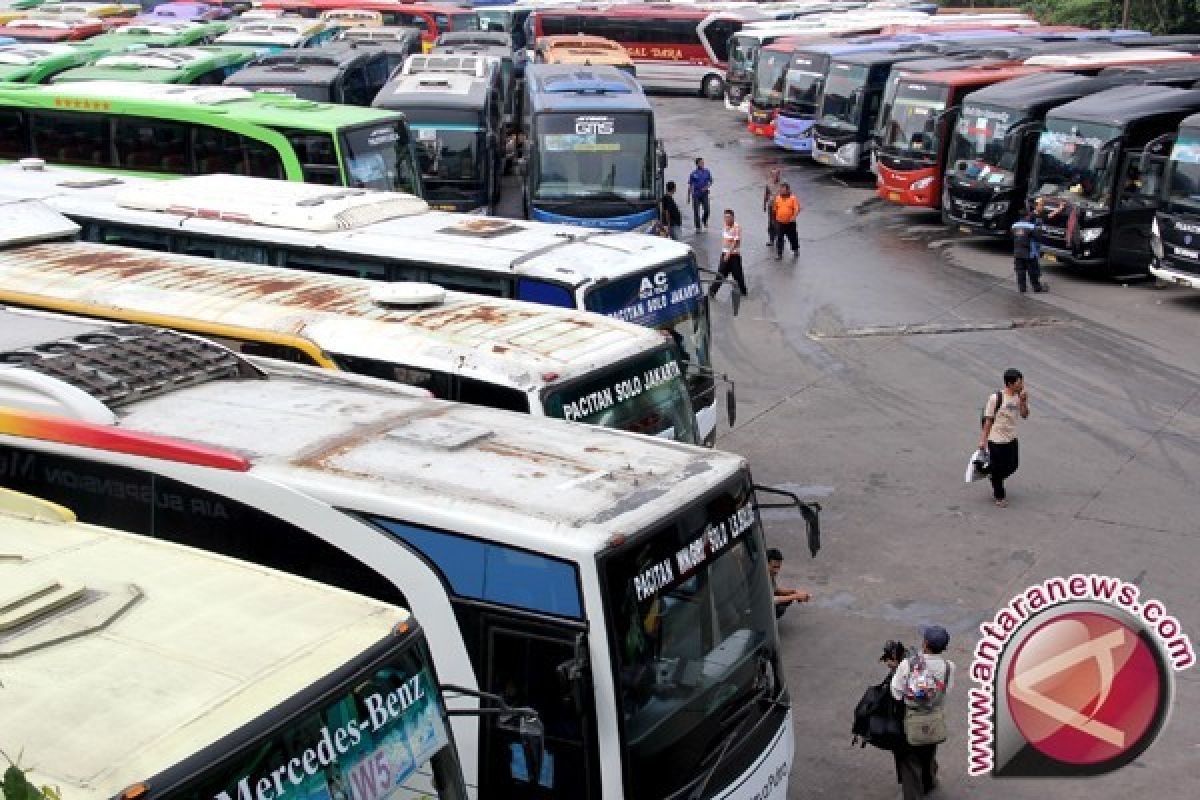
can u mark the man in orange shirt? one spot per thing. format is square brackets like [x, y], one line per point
[785, 210]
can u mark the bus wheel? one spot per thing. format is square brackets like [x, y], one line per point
[713, 87]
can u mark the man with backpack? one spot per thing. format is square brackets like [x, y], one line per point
[921, 682]
[999, 437]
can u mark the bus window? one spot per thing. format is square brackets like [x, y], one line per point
[133, 237]
[67, 138]
[262, 160]
[312, 261]
[482, 393]
[436, 383]
[216, 248]
[355, 91]
[317, 156]
[14, 136]
[148, 145]
[279, 352]
[717, 33]
[549, 294]
[473, 283]
[494, 573]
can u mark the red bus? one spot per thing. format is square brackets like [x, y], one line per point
[674, 47]
[911, 154]
[46, 30]
[431, 19]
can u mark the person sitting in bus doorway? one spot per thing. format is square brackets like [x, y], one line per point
[731, 256]
[785, 210]
[699, 186]
[784, 597]
[670, 214]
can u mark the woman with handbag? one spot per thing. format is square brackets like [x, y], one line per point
[922, 681]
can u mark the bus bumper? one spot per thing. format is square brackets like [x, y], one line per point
[706, 425]
[907, 189]
[845, 157]
[767, 778]
[1164, 273]
[630, 222]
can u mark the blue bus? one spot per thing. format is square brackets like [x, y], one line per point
[591, 157]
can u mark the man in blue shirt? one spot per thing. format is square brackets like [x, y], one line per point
[699, 184]
[1027, 249]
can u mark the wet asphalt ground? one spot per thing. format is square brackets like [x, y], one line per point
[836, 402]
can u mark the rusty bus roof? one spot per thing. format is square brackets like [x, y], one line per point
[531, 482]
[507, 342]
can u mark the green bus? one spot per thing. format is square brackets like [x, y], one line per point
[38, 63]
[189, 65]
[183, 33]
[163, 131]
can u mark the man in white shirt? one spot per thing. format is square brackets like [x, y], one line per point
[917, 764]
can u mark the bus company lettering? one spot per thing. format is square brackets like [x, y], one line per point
[713, 539]
[985, 113]
[600, 126]
[382, 709]
[597, 401]
[656, 296]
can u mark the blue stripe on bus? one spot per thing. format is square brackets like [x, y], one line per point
[626, 223]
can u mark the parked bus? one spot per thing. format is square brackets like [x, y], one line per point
[339, 72]
[273, 35]
[167, 131]
[673, 47]
[352, 18]
[457, 124]
[584, 50]
[592, 157]
[497, 46]
[184, 11]
[197, 66]
[646, 280]
[188, 674]
[994, 145]
[161, 33]
[615, 584]
[849, 106]
[1099, 172]
[483, 351]
[38, 63]
[1175, 234]
[397, 44]
[51, 31]
[431, 19]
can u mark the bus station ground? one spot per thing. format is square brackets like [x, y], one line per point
[861, 369]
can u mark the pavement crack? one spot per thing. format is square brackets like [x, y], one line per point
[929, 328]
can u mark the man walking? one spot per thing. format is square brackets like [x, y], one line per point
[999, 436]
[785, 211]
[770, 192]
[670, 215]
[731, 256]
[921, 681]
[1027, 249]
[699, 184]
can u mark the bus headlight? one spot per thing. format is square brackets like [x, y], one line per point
[1156, 245]
[921, 183]
[995, 209]
[1090, 234]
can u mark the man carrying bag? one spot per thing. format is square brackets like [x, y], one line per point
[921, 682]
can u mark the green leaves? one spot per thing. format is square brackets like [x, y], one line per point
[16, 786]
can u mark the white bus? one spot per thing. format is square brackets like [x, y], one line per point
[481, 350]
[136, 668]
[616, 584]
[646, 280]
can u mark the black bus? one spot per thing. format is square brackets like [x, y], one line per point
[1175, 237]
[1099, 171]
[340, 72]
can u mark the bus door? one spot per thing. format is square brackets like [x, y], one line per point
[1138, 185]
[544, 666]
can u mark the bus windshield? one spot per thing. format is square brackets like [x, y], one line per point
[449, 146]
[1183, 174]
[803, 91]
[841, 104]
[384, 723]
[379, 157]
[1076, 159]
[769, 78]
[693, 629]
[647, 395]
[742, 51]
[670, 299]
[605, 155]
[979, 151]
[912, 124]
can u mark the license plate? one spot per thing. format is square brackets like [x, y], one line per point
[1049, 257]
[894, 197]
[963, 229]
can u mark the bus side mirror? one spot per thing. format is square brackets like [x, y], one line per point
[1160, 145]
[731, 403]
[573, 674]
[662, 153]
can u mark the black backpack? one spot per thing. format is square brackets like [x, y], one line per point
[983, 412]
[879, 718]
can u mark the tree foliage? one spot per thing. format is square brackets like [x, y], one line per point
[1156, 16]
[16, 786]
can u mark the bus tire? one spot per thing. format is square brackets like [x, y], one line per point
[712, 87]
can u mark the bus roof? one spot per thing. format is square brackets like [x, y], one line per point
[1125, 104]
[507, 342]
[1044, 90]
[144, 98]
[434, 90]
[157, 64]
[542, 484]
[571, 87]
[653, 11]
[350, 221]
[973, 75]
[879, 57]
[140, 620]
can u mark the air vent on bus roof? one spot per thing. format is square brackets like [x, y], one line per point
[482, 228]
[37, 612]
